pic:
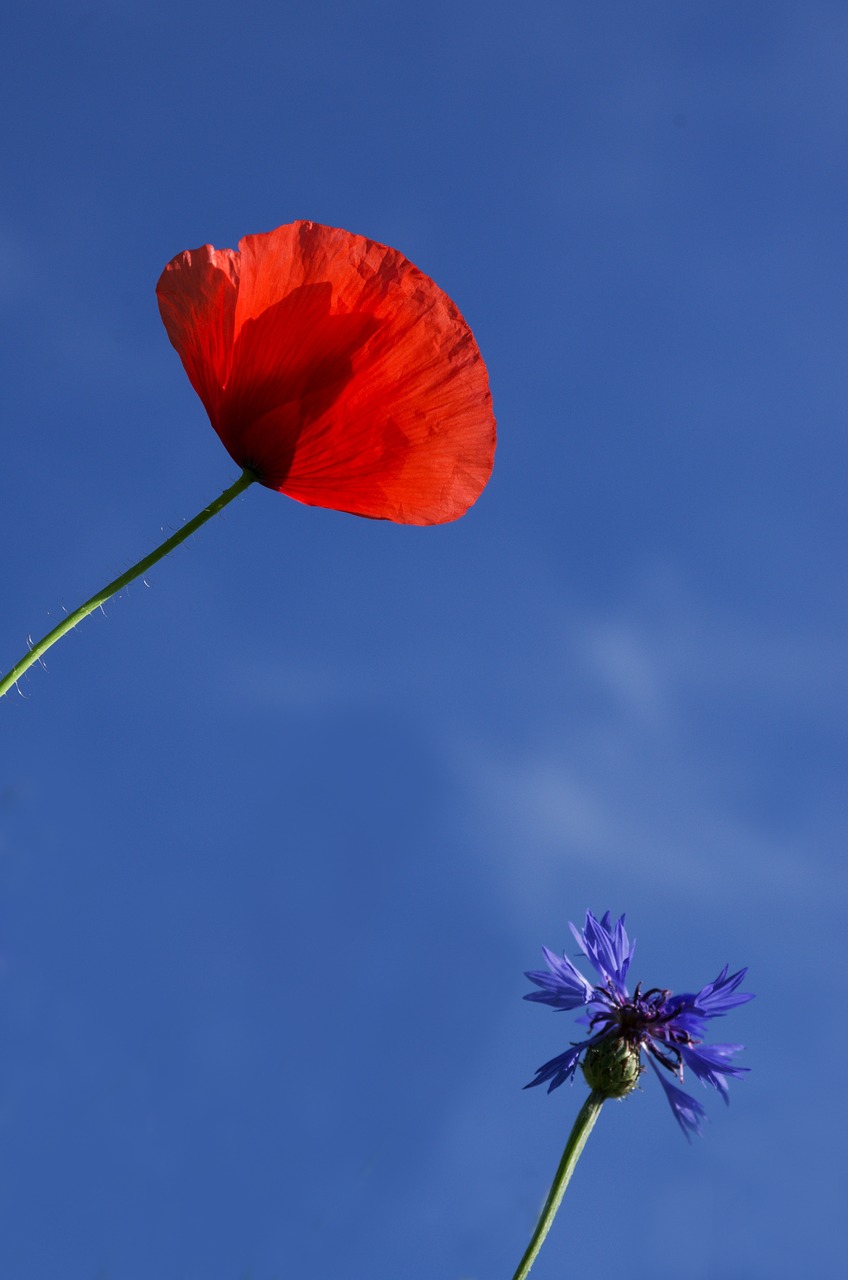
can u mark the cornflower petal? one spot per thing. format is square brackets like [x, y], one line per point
[713, 1001]
[559, 1069]
[335, 371]
[720, 996]
[688, 1112]
[563, 988]
[711, 1064]
[608, 950]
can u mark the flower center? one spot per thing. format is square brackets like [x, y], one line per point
[643, 1021]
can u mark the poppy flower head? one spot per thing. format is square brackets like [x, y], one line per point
[335, 371]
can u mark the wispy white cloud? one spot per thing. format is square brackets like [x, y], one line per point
[660, 762]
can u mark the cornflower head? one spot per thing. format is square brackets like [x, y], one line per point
[669, 1029]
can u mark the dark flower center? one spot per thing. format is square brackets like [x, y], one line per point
[644, 1020]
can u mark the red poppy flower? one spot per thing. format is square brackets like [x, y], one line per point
[336, 371]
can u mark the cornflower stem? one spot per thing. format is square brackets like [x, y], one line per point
[73, 619]
[583, 1126]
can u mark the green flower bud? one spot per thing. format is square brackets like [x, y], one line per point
[613, 1067]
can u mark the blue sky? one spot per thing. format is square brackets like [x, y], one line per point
[280, 832]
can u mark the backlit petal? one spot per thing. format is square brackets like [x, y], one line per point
[336, 371]
[197, 294]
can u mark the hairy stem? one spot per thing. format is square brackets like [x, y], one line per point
[73, 619]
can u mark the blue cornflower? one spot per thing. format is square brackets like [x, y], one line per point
[669, 1028]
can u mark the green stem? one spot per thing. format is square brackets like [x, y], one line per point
[583, 1126]
[67, 624]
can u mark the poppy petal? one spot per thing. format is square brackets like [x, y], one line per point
[197, 295]
[350, 381]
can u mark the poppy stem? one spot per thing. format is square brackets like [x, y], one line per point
[67, 624]
[583, 1126]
